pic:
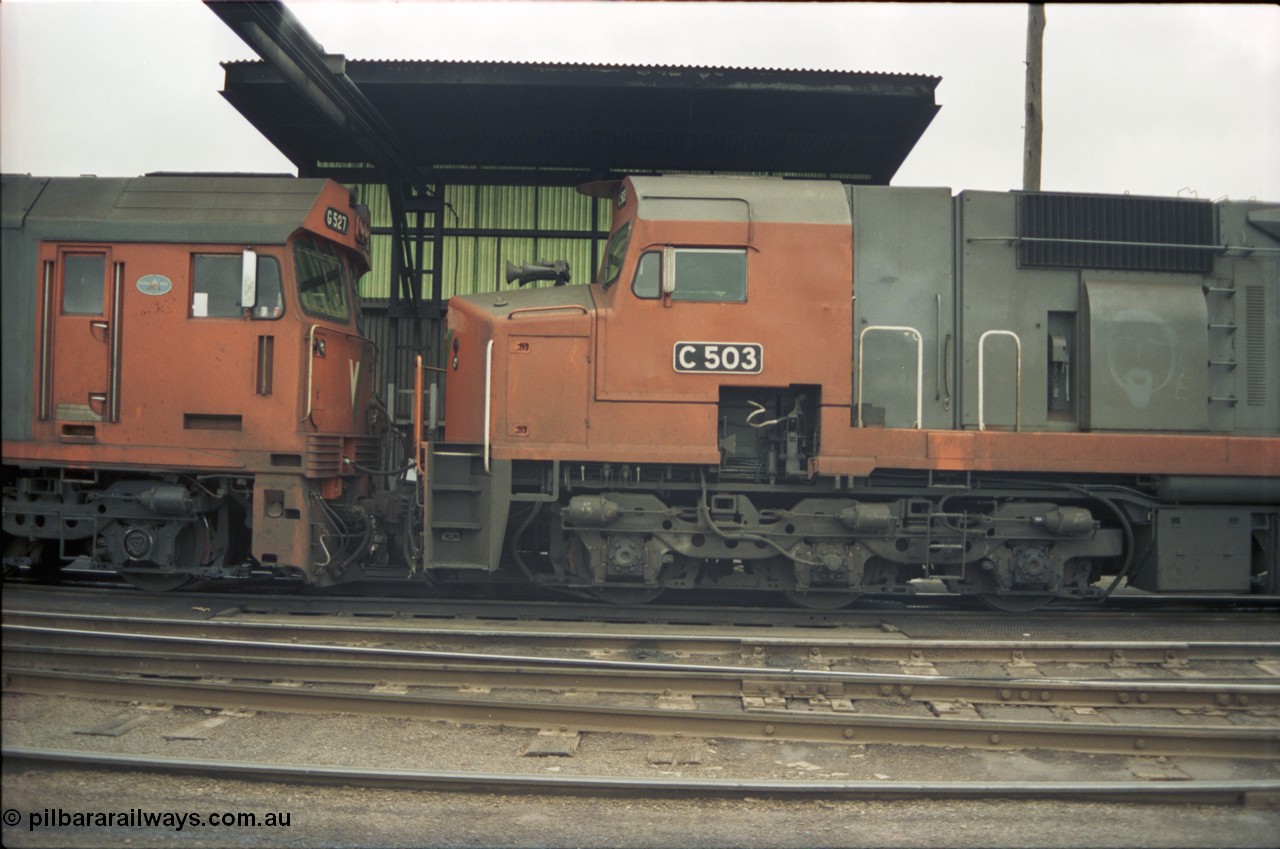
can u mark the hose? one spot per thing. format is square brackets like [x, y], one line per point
[382, 472]
[1126, 527]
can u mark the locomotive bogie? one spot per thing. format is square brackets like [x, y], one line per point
[161, 531]
[988, 544]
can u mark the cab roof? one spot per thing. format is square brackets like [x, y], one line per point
[716, 198]
[232, 209]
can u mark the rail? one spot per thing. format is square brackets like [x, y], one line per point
[1227, 792]
[1013, 240]
[113, 355]
[943, 392]
[46, 339]
[833, 726]
[982, 373]
[488, 403]
[162, 655]
[547, 308]
[102, 655]
[417, 417]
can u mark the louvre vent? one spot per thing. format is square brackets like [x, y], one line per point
[1115, 232]
[1255, 334]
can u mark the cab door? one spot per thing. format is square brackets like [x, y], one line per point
[84, 339]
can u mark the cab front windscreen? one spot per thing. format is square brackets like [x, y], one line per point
[324, 283]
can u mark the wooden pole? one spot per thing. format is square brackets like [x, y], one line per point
[1034, 133]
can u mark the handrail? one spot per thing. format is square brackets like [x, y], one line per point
[910, 331]
[1017, 388]
[937, 395]
[113, 344]
[46, 334]
[417, 416]
[548, 308]
[488, 407]
[1122, 244]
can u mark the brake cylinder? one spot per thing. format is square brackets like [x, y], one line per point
[591, 510]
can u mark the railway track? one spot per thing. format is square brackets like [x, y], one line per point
[774, 687]
[412, 601]
[176, 655]
[1256, 794]
[894, 635]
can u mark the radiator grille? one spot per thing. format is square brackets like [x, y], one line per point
[368, 452]
[324, 454]
[1084, 228]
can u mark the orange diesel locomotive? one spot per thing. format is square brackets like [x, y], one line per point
[830, 391]
[186, 388]
[786, 385]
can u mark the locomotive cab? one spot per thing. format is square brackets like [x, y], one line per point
[681, 347]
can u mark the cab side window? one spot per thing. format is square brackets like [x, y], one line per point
[700, 274]
[648, 281]
[215, 287]
[704, 274]
[614, 254]
[270, 293]
[83, 280]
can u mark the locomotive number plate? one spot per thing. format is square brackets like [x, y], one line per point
[335, 220]
[718, 357]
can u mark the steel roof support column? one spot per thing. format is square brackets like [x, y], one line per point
[414, 319]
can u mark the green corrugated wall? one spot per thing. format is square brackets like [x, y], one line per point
[475, 263]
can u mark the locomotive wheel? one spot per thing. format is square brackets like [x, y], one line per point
[628, 596]
[820, 600]
[189, 550]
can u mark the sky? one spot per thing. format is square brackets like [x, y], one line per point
[1148, 99]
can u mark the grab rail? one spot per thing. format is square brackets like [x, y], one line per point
[46, 339]
[547, 308]
[1017, 387]
[113, 355]
[488, 391]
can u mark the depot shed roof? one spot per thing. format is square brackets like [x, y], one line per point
[568, 123]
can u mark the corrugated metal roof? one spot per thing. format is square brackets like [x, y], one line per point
[594, 120]
[619, 65]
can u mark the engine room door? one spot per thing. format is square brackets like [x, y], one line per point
[904, 288]
[84, 331]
